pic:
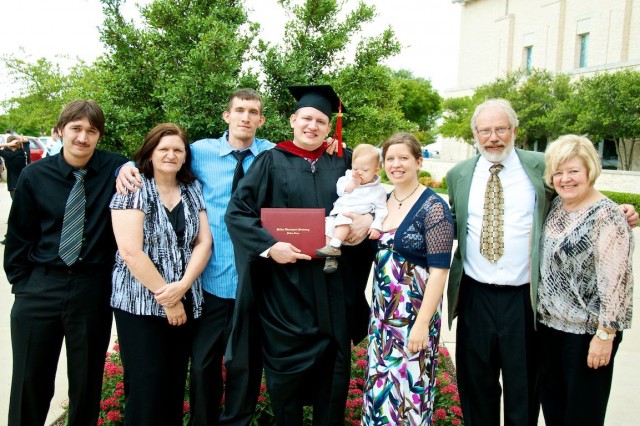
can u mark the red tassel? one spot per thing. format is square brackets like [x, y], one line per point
[338, 134]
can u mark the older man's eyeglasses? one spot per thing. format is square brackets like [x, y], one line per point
[500, 131]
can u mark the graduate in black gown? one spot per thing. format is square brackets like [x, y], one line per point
[307, 319]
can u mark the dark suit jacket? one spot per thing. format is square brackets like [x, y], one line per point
[459, 181]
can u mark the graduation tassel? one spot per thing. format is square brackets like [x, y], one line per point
[338, 134]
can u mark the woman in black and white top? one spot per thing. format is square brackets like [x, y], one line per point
[164, 243]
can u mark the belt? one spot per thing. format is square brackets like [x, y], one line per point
[496, 286]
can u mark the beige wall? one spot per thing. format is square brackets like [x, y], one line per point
[452, 149]
[494, 34]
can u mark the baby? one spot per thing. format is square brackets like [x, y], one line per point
[360, 192]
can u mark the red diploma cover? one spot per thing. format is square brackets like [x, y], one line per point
[304, 228]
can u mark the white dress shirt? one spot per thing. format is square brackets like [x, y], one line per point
[513, 266]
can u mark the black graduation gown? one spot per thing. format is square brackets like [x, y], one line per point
[307, 318]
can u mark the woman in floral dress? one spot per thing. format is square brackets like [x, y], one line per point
[411, 266]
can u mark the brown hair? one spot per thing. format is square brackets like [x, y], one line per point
[151, 141]
[405, 138]
[79, 109]
[245, 94]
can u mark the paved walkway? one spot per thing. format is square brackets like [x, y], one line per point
[624, 403]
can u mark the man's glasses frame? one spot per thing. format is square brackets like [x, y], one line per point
[500, 131]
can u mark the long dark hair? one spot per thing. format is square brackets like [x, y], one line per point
[151, 141]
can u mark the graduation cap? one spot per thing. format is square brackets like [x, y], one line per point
[324, 99]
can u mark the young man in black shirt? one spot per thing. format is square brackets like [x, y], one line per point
[61, 270]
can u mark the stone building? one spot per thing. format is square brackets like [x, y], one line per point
[575, 37]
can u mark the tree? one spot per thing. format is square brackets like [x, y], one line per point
[610, 110]
[457, 112]
[535, 98]
[314, 51]
[44, 89]
[156, 70]
[456, 115]
[180, 65]
[420, 102]
[374, 105]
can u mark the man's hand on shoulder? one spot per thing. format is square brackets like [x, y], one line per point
[128, 179]
[333, 145]
[631, 214]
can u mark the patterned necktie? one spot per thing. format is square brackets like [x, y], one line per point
[238, 173]
[73, 222]
[492, 241]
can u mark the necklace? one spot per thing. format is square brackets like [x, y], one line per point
[169, 197]
[405, 198]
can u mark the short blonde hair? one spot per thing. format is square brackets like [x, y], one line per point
[366, 150]
[568, 147]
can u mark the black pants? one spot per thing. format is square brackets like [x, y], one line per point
[572, 393]
[495, 335]
[243, 375]
[155, 357]
[291, 391]
[50, 306]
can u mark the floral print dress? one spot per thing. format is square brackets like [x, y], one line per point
[399, 387]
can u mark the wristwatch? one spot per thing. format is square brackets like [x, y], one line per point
[603, 335]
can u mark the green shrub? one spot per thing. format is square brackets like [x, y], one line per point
[426, 181]
[383, 177]
[423, 173]
[443, 183]
[624, 198]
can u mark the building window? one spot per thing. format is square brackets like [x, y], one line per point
[528, 59]
[583, 46]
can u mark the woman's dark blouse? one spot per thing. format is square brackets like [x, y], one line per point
[425, 236]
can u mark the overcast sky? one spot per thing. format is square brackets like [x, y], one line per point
[427, 29]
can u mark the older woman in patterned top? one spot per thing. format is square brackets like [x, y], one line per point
[410, 272]
[585, 292]
[164, 243]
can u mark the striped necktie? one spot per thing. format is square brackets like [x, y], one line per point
[73, 222]
[492, 238]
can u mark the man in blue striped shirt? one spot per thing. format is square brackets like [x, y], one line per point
[214, 164]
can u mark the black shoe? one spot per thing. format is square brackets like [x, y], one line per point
[3, 242]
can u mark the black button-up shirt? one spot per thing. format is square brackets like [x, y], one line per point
[37, 212]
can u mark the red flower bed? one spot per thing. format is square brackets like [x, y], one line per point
[447, 401]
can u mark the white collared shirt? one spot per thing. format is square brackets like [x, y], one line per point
[519, 195]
